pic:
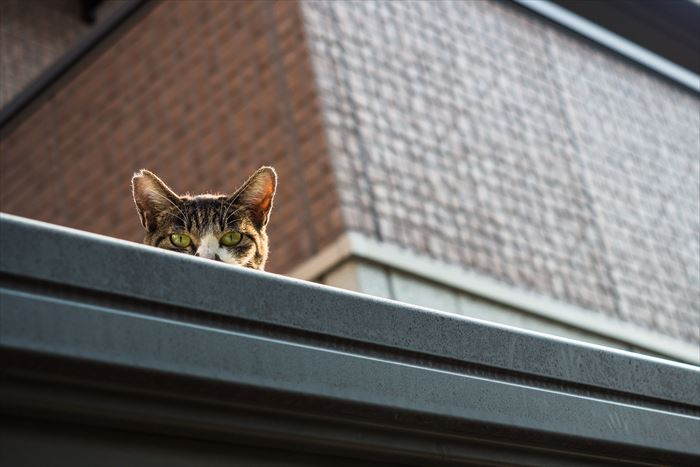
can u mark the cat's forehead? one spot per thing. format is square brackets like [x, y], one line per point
[201, 206]
[207, 213]
[204, 198]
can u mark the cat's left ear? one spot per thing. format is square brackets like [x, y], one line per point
[257, 194]
[152, 196]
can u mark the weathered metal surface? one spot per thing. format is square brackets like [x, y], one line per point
[99, 331]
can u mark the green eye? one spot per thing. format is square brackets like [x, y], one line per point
[180, 240]
[231, 239]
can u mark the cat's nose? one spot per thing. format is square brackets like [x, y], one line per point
[208, 253]
[204, 252]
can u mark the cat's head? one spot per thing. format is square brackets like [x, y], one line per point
[228, 228]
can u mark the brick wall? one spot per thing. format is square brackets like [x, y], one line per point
[200, 92]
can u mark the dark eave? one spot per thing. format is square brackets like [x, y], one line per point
[61, 70]
[670, 28]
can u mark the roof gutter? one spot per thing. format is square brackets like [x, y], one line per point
[247, 357]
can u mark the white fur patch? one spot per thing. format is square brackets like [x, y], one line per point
[209, 247]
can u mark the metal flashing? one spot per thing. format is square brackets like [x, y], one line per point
[106, 327]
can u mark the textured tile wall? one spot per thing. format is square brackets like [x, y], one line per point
[200, 92]
[480, 135]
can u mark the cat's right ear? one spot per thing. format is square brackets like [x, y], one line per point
[151, 196]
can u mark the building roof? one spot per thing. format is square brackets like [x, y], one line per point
[97, 340]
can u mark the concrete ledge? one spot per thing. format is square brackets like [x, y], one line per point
[130, 337]
[354, 245]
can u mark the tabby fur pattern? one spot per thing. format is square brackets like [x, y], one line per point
[207, 225]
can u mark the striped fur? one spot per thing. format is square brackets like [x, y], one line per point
[206, 218]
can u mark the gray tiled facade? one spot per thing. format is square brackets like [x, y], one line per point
[485, 137]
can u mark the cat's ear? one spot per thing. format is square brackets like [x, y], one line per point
[257, 193]
[151, 196]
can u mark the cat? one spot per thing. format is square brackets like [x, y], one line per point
[226, 228]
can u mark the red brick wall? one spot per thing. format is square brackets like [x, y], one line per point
[193, 91]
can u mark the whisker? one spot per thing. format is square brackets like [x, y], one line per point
[175, 205]
[221, 208]
[233, 213]
[227, 208]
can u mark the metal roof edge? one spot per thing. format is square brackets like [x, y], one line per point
[103, 332]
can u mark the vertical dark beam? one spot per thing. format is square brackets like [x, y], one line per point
[88, 10]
